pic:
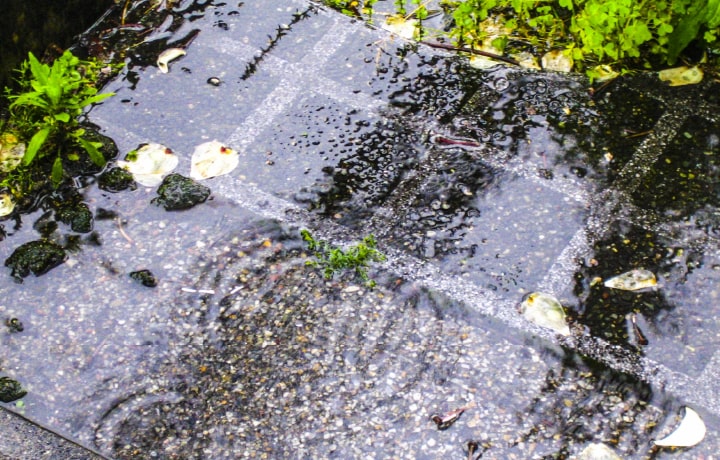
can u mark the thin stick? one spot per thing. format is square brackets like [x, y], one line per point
[471, 50]
[122, 232]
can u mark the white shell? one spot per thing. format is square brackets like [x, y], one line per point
[212, 159]
[689, 433]
[632, 280]
[558, 61]
[11, 152]
[152, 163]
[598, 451]
[680, 76]
[7, 204]
[544, 310]
[167, 56]
[399, 25]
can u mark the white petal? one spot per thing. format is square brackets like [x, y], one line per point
[405, 28]
[167, 56]
[689, 433]
[558, 61]
[152, 162]
[212, 159]
[632, 280]
[598, 451]
[7, 204]
[11, 152]
[544, 310]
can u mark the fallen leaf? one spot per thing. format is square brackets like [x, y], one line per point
[680, 76]
[632, 280]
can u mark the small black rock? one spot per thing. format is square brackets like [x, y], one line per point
[14, 325]
[10, 390]
[37, 257]
[145, 277]
[178, 192]
[116, 180]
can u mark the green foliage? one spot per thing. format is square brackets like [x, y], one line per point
[332, 260]
[594, 31]
[45, 112]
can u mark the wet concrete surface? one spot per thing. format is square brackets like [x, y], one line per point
[480, 186]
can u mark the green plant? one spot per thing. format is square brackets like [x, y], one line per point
[628, 32]
[331, 259]
[45, 112]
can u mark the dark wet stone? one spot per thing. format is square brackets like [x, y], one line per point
[178, 192]
[144, 277]
[10, 390]
[37, 257]
[116, 180]
[14, 325]
[78, 216]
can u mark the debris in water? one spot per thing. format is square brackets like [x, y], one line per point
[680, 76]
[689, 433]
[215, 81]
[149, 163]
[544, 310]
[639, 336]
[167, 56]
[632, 280]
[444, 421]
[144, 277]
[212, 159]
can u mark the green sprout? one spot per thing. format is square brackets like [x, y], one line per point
[332, 259]
[46, 110]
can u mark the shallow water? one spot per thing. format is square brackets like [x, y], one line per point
[480, 186]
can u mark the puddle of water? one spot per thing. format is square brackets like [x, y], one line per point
[260, 356]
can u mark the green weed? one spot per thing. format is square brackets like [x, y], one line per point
[45, 111]
[332, 260]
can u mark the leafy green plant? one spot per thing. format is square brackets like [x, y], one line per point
[45, 112]
[331, 259]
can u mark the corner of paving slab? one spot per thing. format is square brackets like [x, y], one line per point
[22, 439]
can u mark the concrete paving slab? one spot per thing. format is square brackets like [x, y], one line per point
[244, 351]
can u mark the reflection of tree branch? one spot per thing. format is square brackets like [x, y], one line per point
[472, 51]
[281, 31]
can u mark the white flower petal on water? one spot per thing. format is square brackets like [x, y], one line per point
[150, 163]
[683, 75]
[11, 152]
[167, 56]
[544, 310]
[401, 26]
[7, 204]
[597, 451]
[689, 433]
[558, 61]
[632, 280]
[212, 159]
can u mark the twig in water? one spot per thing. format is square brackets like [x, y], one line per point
[471, 50]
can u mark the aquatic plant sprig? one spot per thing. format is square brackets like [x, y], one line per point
[333, 259]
